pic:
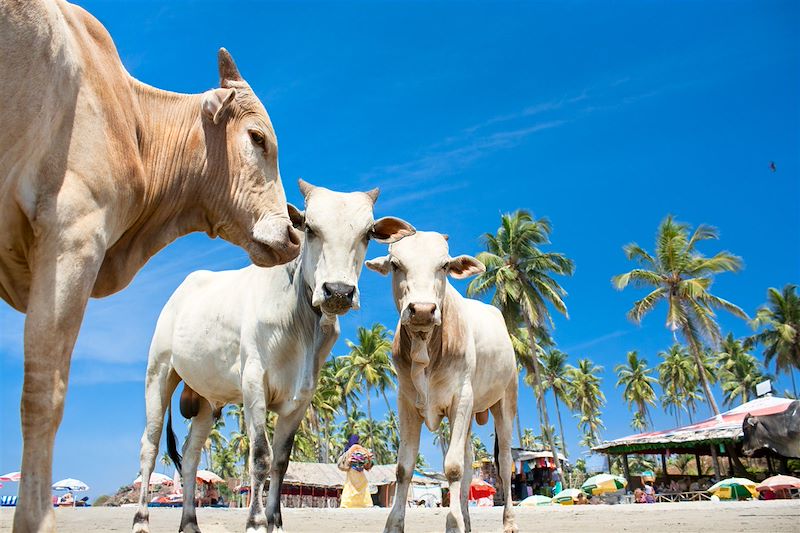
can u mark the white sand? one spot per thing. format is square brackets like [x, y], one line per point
[706, 517]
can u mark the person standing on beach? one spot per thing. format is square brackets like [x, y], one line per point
[355, 460]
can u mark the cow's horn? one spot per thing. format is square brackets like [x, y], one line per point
[305, 187]
[373, 194]
[227, 67]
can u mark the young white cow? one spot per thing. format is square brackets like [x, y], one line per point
[454, 358]
[259, 336]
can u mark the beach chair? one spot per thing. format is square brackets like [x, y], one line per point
[8, 501]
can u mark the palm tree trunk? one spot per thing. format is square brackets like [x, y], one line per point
[369, 417]
[542, 403]
[519, 429]
[701, 371]
[794, 385]
[561, 426]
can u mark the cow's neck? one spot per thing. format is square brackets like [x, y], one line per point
[172, 152]
[426, 352]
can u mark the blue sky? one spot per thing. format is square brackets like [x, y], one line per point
[603, 120]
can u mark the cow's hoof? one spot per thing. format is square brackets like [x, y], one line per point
[510, 528]
[190, 527]
[141, 522]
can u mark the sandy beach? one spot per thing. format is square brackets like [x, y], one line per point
[783, 516]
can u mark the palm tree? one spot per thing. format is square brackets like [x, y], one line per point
[554, 372]
[325, 404]
[369, 363]
[528, 440]
[638, 383]
[478, 448]
[587, 398]
[214, 441]
[239, 442]
[442, 437]
[682, 276]
[780, 336]
[677, 376]
[166, 461]
[740, 372]
[521, 276]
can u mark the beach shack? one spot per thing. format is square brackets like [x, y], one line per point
[533, 472]
[321, 484]
[719, 438]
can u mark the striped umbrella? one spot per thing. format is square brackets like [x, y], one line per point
[155, 479]
[567, 496]
[602, 483]
[536, 500]
[779, 482]
[734, 488]
[11, 476]
[74, 485]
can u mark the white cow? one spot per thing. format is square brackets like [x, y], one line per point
[259, 336]
[454, 358]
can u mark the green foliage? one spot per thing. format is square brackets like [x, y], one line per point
[739, 373]
[638, 390]
[678, 274]
[587, 399]
[779, 321]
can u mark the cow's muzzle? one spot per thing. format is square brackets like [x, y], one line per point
[337, 297]
[276, 243]
[421, 315]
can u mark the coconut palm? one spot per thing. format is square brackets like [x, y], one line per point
[638, 391]
[528, 439]
[521, 276]
[587, 398]
[442, 437]
[780, 334]
[478, 448]
[740, 372]
[239, 442]
[677, 375]
[681, 276]
[166, 461]
[368, 363]
[215, 441]
[554, 372]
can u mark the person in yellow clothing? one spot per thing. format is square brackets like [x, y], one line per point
[355, 460]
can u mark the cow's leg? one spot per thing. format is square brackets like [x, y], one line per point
[410, 425]
[255, 414]
[466, 480]
[159, 385]
[460, 422]
[503, 413]
[198, 433]
[64, 267]
[282, 442]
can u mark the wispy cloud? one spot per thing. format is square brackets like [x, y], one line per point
[597, 340]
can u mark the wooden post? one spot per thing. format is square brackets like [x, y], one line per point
[625, 468]
[664, 465]
[715, 460]
[699, 464]
[769, 465]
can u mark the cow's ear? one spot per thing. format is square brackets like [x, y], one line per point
[216, 101]
[390, 229]
[751, 420]
[465, 266]
[228, 71]
[297, 217]
[381, 265]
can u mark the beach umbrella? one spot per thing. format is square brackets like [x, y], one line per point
[74, 485]
[779, 482]
[155, 479]
[207, 476]
[478, 489]
[536, 500]
[734, 488]
[567, 496]
[11, 476]
[602, 483]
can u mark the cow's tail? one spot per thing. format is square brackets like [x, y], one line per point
[172, 441]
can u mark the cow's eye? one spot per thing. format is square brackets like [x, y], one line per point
[257, 137]
[310, 232]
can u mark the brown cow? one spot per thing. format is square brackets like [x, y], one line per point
[98, 172]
